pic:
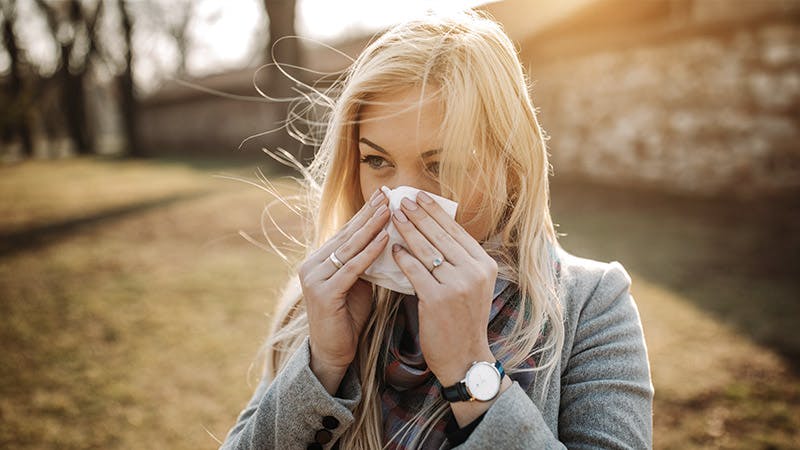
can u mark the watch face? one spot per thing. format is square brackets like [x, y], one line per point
[483, 381]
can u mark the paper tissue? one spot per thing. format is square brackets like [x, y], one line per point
[384, 271]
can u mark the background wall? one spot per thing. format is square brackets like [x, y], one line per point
[692, 96]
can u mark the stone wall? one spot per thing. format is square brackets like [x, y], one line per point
[215, 114]
[693, 96]
[704, 102]
[206, 125]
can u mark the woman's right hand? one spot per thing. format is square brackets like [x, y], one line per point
[338, 302]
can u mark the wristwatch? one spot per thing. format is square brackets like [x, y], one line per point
[482, 383]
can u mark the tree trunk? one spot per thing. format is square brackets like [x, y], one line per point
[129, 108]
[17, 94]
[281, 23]
[286, 52]
[73, 93]
[74, 98]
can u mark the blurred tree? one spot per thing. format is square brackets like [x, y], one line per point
[16, 115]
[170, 19]
[128, 106]
[281, 16]
[178, 30]
[73, 26]
[167, 22]
[93, 46]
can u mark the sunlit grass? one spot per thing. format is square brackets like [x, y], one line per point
[134, 331]
[132, 311]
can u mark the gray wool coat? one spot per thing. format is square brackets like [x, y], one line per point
[603, 397]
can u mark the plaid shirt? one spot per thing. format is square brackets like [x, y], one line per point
[409, 381]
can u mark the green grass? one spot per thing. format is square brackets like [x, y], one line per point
[131, 310]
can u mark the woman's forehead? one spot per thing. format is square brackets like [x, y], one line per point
[400, 121]
[403, 104]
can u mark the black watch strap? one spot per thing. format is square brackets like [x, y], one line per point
[458, 392]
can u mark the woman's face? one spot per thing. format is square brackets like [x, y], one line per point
[397, 150]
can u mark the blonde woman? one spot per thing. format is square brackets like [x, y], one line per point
[509, 340]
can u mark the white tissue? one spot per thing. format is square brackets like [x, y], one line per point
[384, 271]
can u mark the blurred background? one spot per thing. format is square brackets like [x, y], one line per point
[135, 284]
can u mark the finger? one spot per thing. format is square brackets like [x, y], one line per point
[444, 272]
[423, 227]
[355, 223]
[423, 281]
[416, 243]
[453, 229]
[355, 266]
[369, 207]
[355, 244]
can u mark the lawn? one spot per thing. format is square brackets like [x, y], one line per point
[131, 309]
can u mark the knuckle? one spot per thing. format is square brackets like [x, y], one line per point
[453, 228]
[404, 261]
[350, 267]
[375, 218]
[490, 270]
[344, 250]
[375, 245]
[399, 258]
[310, 293]
[430, 251]
[427, 220]
[348, 227]
[335, 242]
[302, 272]
[460, 290]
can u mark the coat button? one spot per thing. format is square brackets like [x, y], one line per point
[330, 422]
[323, 436]
[314, 446]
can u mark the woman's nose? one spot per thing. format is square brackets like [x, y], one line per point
[417, 183]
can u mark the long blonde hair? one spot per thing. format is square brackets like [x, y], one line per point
[490, 128]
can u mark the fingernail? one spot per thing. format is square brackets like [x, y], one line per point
[400, 216]
[396, 248]
[408, 204]
[424, 197]
[376, 199]
[380, 211]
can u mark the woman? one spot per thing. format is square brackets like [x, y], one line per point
[441, 104]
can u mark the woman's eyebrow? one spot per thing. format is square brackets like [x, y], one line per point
[373, 145]
[382, 150]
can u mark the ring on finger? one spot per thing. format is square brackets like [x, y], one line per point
[336, 262]
[438, 261]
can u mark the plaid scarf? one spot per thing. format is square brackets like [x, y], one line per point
[410, 384]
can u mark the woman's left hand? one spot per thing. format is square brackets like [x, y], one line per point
[455, 298]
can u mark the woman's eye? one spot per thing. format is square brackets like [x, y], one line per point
[373, 161]
[433, 168]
